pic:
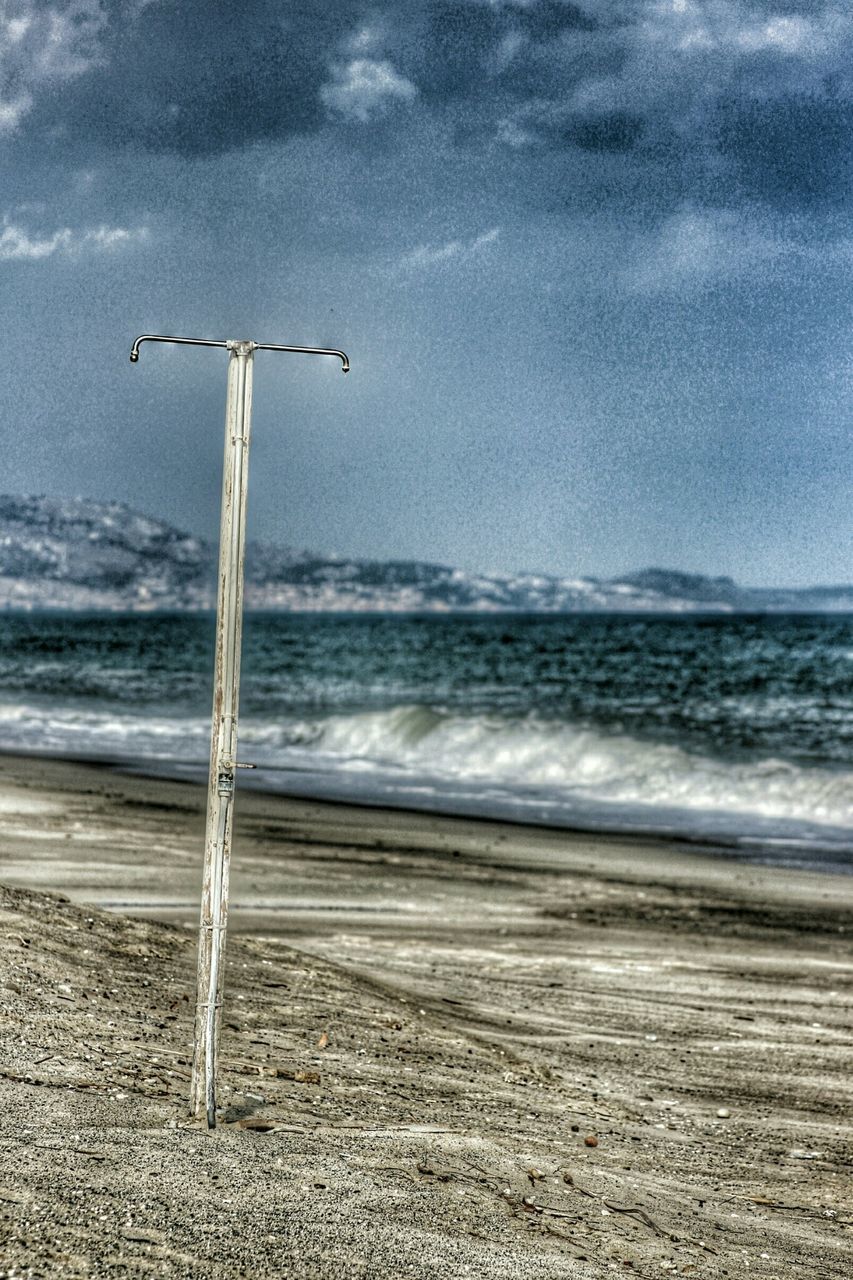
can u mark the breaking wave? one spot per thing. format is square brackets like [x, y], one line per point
[559, 757]
[530, 759]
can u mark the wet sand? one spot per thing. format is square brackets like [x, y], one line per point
[451, 1048]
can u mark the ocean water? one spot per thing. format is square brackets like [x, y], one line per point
[732, 731]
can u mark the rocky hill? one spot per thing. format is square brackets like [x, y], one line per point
[74, 553]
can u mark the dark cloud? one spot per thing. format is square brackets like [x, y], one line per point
[459, 37]
[794, 148]
[196, 78]
[759, 90]
[763, 88]
[485, 53]
[551, 18]
[452, 45]
[613, 131]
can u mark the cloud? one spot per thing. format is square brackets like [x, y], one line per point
[758, 92]
[13, 110]
[364, 89]
[790, 35]
[459, 250]
[746, 27]
[605, 131]
[196, 78]
[470, 49]
[18, 244]
[698, 248]
[104, 237]
[695, 86]
[42, 46]
[795, 147]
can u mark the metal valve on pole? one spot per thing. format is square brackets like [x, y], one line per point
[226, 695]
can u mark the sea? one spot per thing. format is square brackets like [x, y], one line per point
[734, 733]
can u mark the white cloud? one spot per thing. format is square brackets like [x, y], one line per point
[68, 43]
[512, 133]
[732, 27]
[506, 53]
[366, 40]
[787, 35]
[111, 237]
[17, 28]
[365, 88]
[43, 45]
[700, 247]
[13, 110]
[674, 60]
[18, 244]
[430, 255]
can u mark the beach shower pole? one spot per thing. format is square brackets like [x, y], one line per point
[226, 695]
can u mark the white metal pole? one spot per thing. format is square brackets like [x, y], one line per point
[223, 733]
[226, 697]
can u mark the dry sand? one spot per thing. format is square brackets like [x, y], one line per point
[452, 1048]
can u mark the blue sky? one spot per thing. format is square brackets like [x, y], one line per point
[591, 263]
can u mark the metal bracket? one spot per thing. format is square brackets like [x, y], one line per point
[237, 345]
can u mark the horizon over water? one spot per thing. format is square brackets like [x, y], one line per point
[732, 731]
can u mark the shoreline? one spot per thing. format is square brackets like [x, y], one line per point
[677, 862]
[730, 850]
[426, 1019]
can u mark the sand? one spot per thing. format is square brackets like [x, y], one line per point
[451, 1048]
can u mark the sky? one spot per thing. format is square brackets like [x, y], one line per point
[590, 261]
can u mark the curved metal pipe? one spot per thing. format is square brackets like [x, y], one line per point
[308, 351]
[257, 346]
[159, 337]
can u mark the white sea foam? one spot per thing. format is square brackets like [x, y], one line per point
[588, 764]
[526, 756]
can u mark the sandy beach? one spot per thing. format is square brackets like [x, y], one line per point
[451, 1048]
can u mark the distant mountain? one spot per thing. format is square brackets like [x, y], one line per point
[71, 553]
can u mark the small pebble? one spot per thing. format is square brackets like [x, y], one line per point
[723, 1113]
[590, 1140]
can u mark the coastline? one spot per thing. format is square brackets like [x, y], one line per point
[492, 996]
